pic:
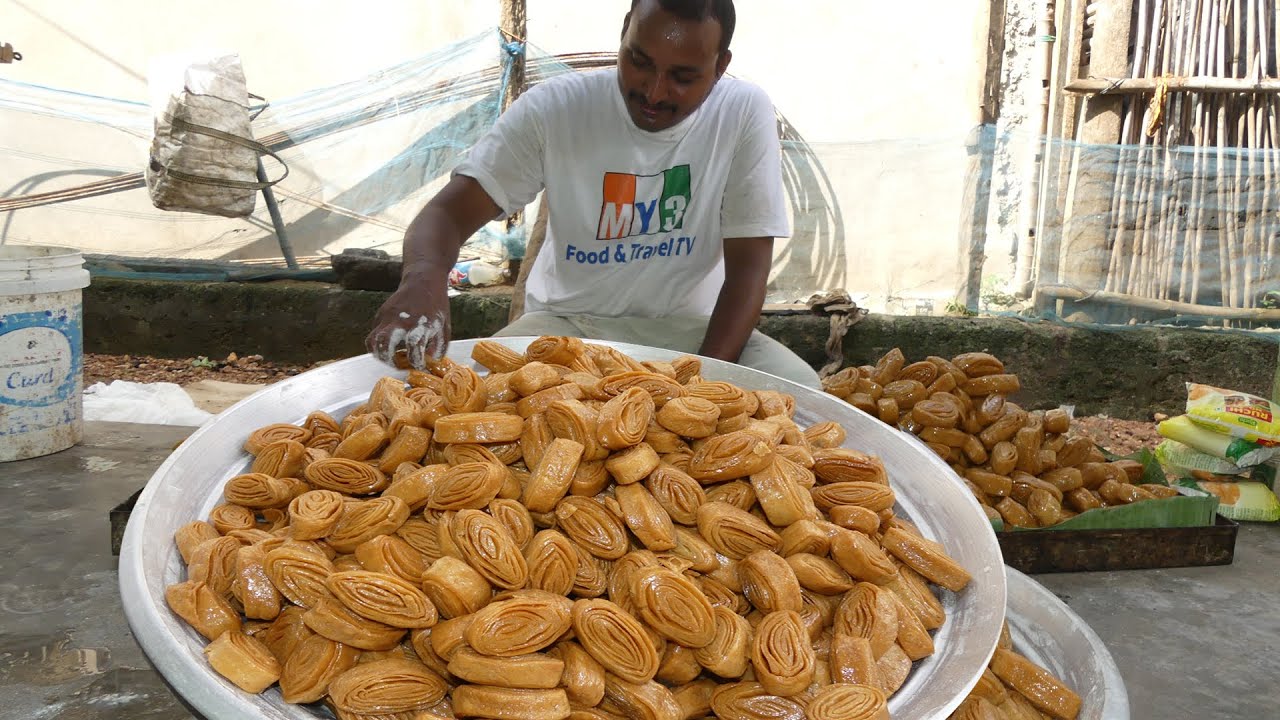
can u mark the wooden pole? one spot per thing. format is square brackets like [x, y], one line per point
[1180, 308]
[1088, 217]
[515, 28]
[982, 156]
[1056, 166]
[1194, 83]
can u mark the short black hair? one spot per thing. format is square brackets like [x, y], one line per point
[719, 10]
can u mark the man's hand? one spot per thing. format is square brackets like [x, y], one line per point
[416, 316]
[746, 273]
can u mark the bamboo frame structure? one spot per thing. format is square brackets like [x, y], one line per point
[1194, 223]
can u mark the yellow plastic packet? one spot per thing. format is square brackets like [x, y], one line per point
[1238, 414]
[1238, 451]
[1248, 501]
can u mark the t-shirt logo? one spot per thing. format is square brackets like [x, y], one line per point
[643, 204]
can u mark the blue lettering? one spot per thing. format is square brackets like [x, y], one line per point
[16, 380]
[691, 244]
[635, 250]
[646, 214]
[568, 255]
[664, 250]
[648, 252]
[620, 253]
[580, 256]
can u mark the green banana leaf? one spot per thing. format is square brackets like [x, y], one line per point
[1186, 511]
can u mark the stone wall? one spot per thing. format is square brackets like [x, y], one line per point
[1127, 373]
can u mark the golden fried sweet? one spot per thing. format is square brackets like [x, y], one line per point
[868, 612]
[590, 524]
[203, 609]
[315, 513]
[690, 417]
[642, 701]
[387, 686]
[672, 605]
[624, 419]
[363, 520]
[730, 456]
[582, 677]
[486, 545]
[264, 436]
[478, 427]
[312, 666]
[679, 494]
[645, 517]
[782, 655]
[382, 598]
[728, 653]
[252, 586]
[783, 500]
[615, 639]
[552, 560]
[848, 702]
[529, 621]
[346, 476]
[734, 532]
[298, 570]
[769, 582]
[333, 620]
[553, 475]
[470, 485]
[501, 703]
[535, 671]
[246, 662]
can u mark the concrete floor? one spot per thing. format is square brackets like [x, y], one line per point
[1191, 643]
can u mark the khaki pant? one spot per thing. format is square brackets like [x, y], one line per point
[680, 334]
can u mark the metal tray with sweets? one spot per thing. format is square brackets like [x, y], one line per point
[189, 484]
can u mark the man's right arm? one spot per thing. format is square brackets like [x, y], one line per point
[416, 316]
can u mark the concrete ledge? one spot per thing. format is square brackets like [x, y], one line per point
[1123, 372]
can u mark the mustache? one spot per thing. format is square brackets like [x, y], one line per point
[639, 99]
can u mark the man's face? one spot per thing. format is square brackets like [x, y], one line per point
[667, 65]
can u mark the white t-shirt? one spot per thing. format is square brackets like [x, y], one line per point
[637, 219]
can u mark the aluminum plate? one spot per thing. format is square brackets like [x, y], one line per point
[189, 484]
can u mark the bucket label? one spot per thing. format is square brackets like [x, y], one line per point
[39, 357]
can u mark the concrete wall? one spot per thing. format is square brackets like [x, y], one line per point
[887, 101]
[1127, 373]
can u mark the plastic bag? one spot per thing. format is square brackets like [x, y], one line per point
[1240, 452]
[1238, 414]
[203, 155]
[1248, 501]
[149, 403]
[1182, 459]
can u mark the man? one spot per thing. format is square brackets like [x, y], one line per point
[665, 193]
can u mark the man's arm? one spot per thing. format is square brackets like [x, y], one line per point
[416, 316]
[746, 272]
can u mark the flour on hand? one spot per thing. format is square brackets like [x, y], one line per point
[425, 339]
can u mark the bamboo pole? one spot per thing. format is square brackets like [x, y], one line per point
[515, 26]
[982, 158]
[1192, 83]
[1065, 292]
[1088, 216]
[1056, 166]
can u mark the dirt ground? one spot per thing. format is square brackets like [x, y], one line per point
[1119, 436]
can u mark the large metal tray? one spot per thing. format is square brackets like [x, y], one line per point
[189, 483]
[1054, 637]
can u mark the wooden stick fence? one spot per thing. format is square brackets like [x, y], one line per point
[1194, 221]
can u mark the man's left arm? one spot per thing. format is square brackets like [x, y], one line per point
[746, 273]
[752, 214]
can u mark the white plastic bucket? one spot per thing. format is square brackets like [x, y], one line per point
[41, 351]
